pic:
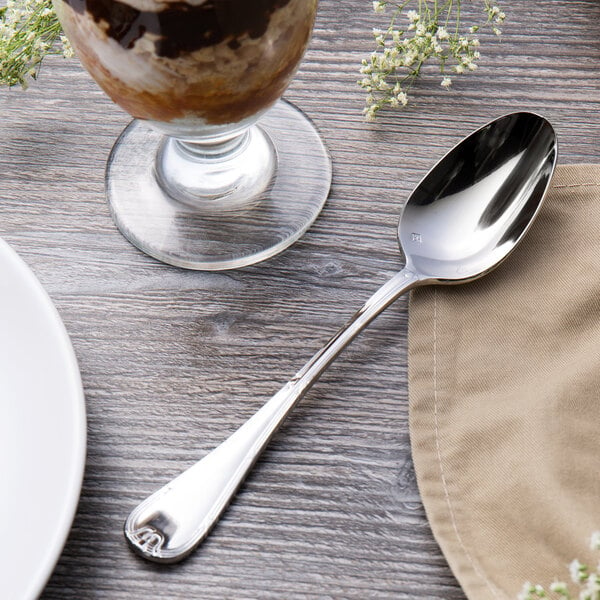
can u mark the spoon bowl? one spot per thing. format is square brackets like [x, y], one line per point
[462, 220]
[474, 206]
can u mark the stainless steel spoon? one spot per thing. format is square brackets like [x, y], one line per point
[461, 221]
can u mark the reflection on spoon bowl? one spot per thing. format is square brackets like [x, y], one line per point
[474, 206]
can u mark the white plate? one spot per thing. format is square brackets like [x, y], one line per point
[42, 431]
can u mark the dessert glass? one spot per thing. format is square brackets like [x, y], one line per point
[215, 171]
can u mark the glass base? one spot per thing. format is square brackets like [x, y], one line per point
[232, 230]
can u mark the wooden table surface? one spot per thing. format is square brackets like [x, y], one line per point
[173, 360]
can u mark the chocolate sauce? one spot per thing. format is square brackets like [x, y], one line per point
[182, 28]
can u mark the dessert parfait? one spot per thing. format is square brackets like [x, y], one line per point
[190, 65]
[215, 171]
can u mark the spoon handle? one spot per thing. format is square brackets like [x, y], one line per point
[170, 523]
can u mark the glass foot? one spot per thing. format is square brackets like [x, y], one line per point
[248, 224]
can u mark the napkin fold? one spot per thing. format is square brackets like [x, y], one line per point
[504, 389]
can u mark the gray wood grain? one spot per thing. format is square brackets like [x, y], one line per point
[172, 361]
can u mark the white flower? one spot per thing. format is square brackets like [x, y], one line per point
[397, 62]
[413, 16]
[442, 33]
[586, 582]
[409, 58]
[559, 587]
[376, 78]
[577, 571]
[29, 30]
[370, 113]
[526, 592]
[593, 585]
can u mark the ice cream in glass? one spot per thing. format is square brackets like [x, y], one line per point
[215, 171]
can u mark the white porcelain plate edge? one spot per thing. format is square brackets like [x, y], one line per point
[42, 431]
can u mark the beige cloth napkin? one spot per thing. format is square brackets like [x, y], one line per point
[504, 386]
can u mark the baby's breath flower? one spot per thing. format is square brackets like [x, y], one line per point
[560, 588]
[592, 586]
[413, 16]
[370, 112]
[433, 32]
[67, 49]
[29, 31]
[577, 571]
[526, 592]
[586, 581]
[402, 98]
[442, 33]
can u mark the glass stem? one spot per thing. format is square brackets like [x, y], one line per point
[215, 149]
[216, 173]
